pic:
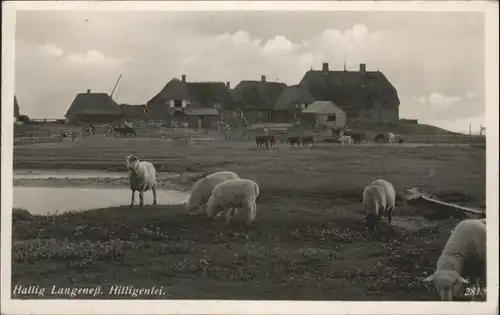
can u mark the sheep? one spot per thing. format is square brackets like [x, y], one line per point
[378, 199]
[307, 140]
[232, 194]
[202, 190]
[142, 177]
[463, 253]
[391, 137]
[374, 203]
[390, 196]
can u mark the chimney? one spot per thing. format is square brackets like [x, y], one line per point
[183, 78]
[228, 84]
[263, 78]
[88, 91]
[362, 67]
[325, 67]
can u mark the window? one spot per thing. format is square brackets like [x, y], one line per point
[331, 117]
[178, 104]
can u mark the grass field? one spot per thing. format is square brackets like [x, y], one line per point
[308, 241]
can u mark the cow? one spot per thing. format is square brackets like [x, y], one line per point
[125, 131]
[307, 140]
[294, 140]
[262, 141]
[380, 137]
[267, 141]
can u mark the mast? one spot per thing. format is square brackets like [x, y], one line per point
[116, 84]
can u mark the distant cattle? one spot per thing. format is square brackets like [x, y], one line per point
[294, 140]
[125, 131]
[265, 141]
[307, 140]
[357, 137]
[380, 137]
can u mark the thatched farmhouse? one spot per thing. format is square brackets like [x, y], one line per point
[256, 99]
[363, 95]
[197, 103]
[93, 108]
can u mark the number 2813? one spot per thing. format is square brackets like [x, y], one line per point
[475, 291]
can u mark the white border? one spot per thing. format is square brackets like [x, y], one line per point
[8, 306]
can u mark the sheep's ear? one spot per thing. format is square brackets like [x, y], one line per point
[462, 280]
[429, 278]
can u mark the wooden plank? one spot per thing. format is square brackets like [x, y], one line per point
[416, 197]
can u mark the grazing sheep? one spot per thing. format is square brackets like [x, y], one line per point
[202, 190]
[390, 197]
[464, 255]
[232, 194]
[142, 177]
[391, 137]
[374, 204]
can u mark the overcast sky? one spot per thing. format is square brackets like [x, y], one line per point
[435, 60]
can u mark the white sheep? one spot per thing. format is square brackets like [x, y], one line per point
[390, 196]
[374, 203]
[464, 255]
[231, 195]
[391, 137]
[378, 199]
[202, 190]
[142, 177]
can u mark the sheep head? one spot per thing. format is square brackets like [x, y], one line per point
[447, 283]
[132, 163]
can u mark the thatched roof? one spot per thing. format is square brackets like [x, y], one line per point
[257, 94]
[199, 94]
[93, 104]
[292, 96]
[350, 89]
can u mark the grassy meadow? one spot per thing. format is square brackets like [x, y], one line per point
[308, 242]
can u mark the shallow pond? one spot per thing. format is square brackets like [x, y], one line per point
[66, 174]
[44, 200]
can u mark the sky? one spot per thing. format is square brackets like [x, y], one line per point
[435, 60]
